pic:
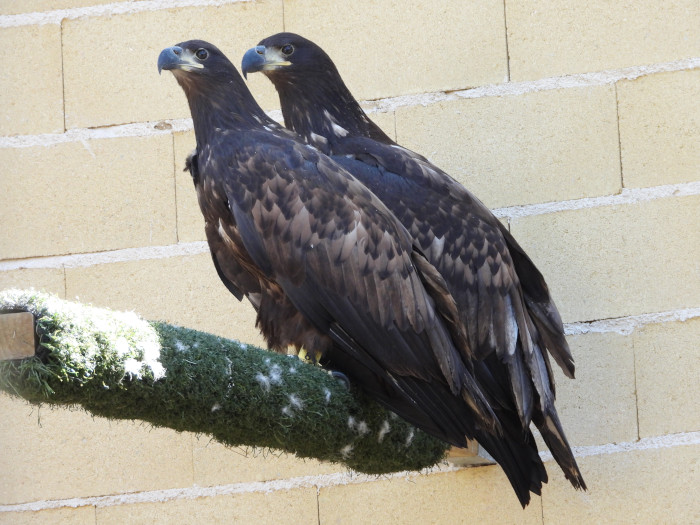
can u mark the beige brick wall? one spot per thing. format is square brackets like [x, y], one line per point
[32, 98]
[87, 196]
[482, 140]
[659, 120]
[612, 261]
[578, 122]
[562, 37]
[392, 48]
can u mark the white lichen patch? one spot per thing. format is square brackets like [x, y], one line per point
[275, 374]
[361, 427]
[383, 430]
[98, 333]
[327, 395]
[346, 451]
[295, 402]
[180, 346]
[151, 357]
[409, 438]
[216, 407]
[121, 345]
[263, 381]
[133, 367]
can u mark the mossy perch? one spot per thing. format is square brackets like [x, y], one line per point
[119, 366]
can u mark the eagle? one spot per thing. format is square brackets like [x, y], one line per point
[504, 303]
[330, 269]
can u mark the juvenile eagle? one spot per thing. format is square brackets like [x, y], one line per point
[329, 268]
[503, 301]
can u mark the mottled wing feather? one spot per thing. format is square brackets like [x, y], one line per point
[540, 304]
[502, 296]
[342, 259]
[234, 277]
[504, 305]
[475, 259]
[237, 279]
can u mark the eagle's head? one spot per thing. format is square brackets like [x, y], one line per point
[288, 54]
[196, 62]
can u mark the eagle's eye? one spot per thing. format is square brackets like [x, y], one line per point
[287, 49]
[201, 53]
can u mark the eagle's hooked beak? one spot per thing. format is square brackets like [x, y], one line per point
[177, 58]
[261, 58]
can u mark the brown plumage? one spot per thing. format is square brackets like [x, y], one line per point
[506, 311]
[330, 269]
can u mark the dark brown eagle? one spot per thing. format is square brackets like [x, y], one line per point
[503, 301]
[330, 269]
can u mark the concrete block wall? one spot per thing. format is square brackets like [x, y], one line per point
[578, 123]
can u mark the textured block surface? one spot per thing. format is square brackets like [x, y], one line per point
[65, 516]
[668, 360]
[32, 98]
[277, 508]
[613, 261]
[480, 494]
[660, 129]
[442, 46]
[87, 196]
[215, 464]
[108, 81]
[564, 37]
[11, 7]
[89, 456]
[43, 279]
[386, 121]
[647, 486]
[538, 147]
[599, 406]
[190, 223]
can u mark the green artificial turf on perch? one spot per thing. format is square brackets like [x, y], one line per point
[116, 365]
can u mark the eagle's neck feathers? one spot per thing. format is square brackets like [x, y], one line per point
[342, 116]
[222, 102]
